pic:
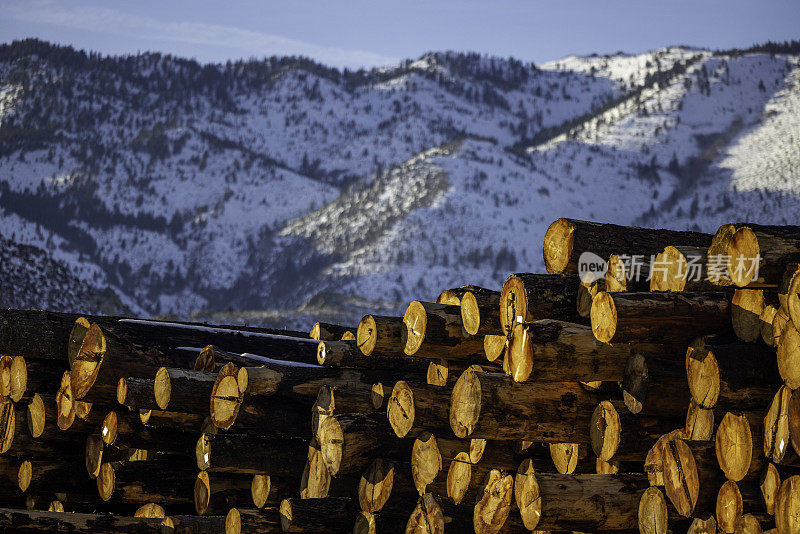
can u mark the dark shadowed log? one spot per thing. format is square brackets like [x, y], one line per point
[655, 386]
[162, 481]
[437, 331]
[617, 434]
[37, 334]
[242, 520]
[529, 297]
[329, 332]
[587, 503]
[747, 305]
[566, 239]
[731, 374]
[333, 400]
[42, 376]
[628, 273]
[659, 317]
[480, 312]
[183, 390]
[586, 293]
[60, 476]
[492, 406]
[766, 320]
[349, 442]
[789, 355]
[347, 354]
[24, 521]
[217, 493]
[125, 431]
[317, 515]
[381, 335]
[765, 250]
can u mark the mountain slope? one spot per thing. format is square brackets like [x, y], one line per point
[186, 189]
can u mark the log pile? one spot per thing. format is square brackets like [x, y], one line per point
[555, 403]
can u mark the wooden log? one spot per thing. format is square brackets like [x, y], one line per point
[349, 442]
[347, 354]
[588, 503]
[494, 347]
[167, 482]
[653, 513]
[492, 406]
[381, 335]
[699, 422]
[431, 514]
[217, 493]
[747, 305]
[42, 376]
[182, 390]
[769, 483]
[205, 360]
[329, 331]
[586, 293]
[195, 524]
[757, 255]
[529, 297]
[690, 467]
[376, 485]
[480, 312]
[494, 502]
[24, 521]
[789, 355]
[37, 334]
[557, 351]
[655, 386]
[659, 317]
[15, 477]
[787, 502]
[617, 434]
[242, 520]
[681, 268]
[730, 374]
[437, 331]
[566, 239]
[766, 320]
[455, 295]
[303, 515]
[628, 273]
[414, 407]
[729, 507]
[137, 393]
[794, 421]
[776, 425]
[125, 431]
[735, 447]
[315, 481]
[333, 400]
[48, 477]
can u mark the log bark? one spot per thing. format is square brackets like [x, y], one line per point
[587, 503]
[455, 295]
[381, 335]
[329, 332]
[682, 268]
[167, 482]
[655, 386]
[125, 431]
[586, 293]
[769, 249]
[618, 435]
[659, 317]
[437, 331]
[492, 406]
[789, 355]
[349, 442]
[628, 273]
[33, 521]
[529, 297]
[480, 312]
[347, 354]
[137, 393]
[217, 493]
[304, 515]
[416, 406]
[747, 305]
[333, 400]
[243, 520]
[566, 239]
[556, 351]
[730, 373]
[183, 390]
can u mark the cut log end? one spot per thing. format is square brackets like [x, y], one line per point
[465, 404]
[108, 430]
[747, 305]
[24, 474]
[681, 480]
[564, 456]
[202, 452]
[93, 455]
[427, 517]
[65, 403]
[729, 507]
[734, 446]
[459, 475]
[416, 321]
[162, 388]
[787, 506]
[367, 335]
[375, 486]
[122, 391]
[87, 362]
[494, 346]
[494, 502]
[699, 422]
[260, 488]
[331, 443]
[702, 374]
[768, 484]
[202, 493]
[604, 317]
[36, 416]
[400, 409]
[106, 481]
[438, 371]
[557, 247]
[76, 336]
[7, 424]
[18, 378]
[233, 522]
[225, 397]
[426, 461]
[605, 430]
[652, 514]
[526, 495]
[777, 425]
[519, 355]
[742, 256]
[789, 355]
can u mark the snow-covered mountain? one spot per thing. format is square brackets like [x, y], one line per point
[154, 185]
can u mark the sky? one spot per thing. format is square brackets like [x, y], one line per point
[367, 33]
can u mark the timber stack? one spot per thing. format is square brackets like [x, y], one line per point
[656, 394]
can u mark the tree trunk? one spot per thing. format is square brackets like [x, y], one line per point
[183, 390]
[566, 239]
[416, 406]
[437, 331]
[618, 434]
[654, 386]
[349, 442]
[166, 482]
[659, 317]
[626, 273]
[587, 503]
[731, 374]
[329, 332]
[125, 431]
[492, 406]
[137, 393]
[747, 305]
[381, 335]
[32, 521]
[480, 312]
[529, 297]
[767, 249]
[347, 354]
[317, 515]
[217, 493]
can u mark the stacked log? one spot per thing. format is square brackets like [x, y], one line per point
[553, 403]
